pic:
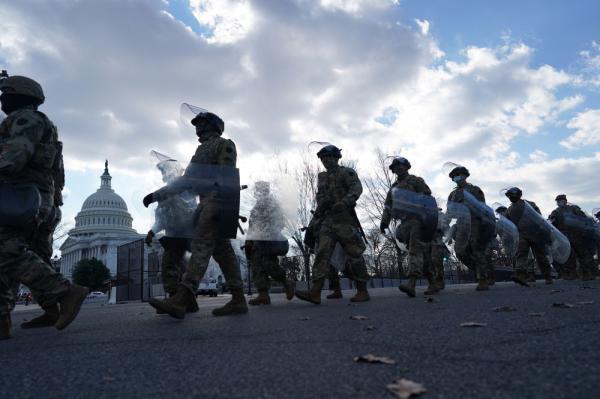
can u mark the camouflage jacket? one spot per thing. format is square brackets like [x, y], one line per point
[457, 194]
[216, 151]
[30, 151]
[337, 185]
[408, 182]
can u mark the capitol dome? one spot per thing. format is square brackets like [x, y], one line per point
[103, 212]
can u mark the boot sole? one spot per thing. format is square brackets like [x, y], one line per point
[359, 300]
[307, 299]
[26, 325]
[69, 320]
[408, 291]
[230, 313]
[520, 282]
[156, 304]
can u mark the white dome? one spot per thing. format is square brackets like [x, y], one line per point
[103, 212]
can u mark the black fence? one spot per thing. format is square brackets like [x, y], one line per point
[130, 271]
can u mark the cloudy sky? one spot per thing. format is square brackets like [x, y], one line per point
[510, 90]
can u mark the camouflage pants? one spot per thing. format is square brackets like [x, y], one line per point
[410, 232]
[438, 252]
[476, 256]
[539, 252]
[20, 262]
[206, 243]
[172, 264]
[582, 251]
[340, 227]
[264, 267]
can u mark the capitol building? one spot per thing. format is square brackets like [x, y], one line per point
[100, 227]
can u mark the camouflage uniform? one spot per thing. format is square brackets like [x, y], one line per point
[338, 190]
[582, 246]
[411, 228]
[267, 217]
[174, 216]
[206, 241]
[439, 251]
[476, 255]
[28, 154]
[527, 241]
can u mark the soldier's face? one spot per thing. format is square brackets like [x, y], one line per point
[561, 202]
[329, 161]
[400, 169]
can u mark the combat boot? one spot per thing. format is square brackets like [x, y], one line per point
[520, 278]
[5, 325]
[314, 294]
[263, 298]
[48, 319]
[335, 294]
[176, 305]
[409, 287]
[290, 288]
[237, 305]
[548, 279]
[192, 305]
[492, 277]
[441, 284]
[432, 288]
[482, 285]
[362, 295]
[70, 304]
[530, 278]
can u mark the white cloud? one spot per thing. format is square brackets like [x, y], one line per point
[587, 130]
[423, 25]
[229, 20]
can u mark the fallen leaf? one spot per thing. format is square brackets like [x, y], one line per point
[472, 324]
[504, 309]
[536, 314]
[359, 317]
[370, 358]
[404, 388]
[430, 299]
[556, 291]
[562, 305]
[370, 328]
[585, 302]
[305, 318]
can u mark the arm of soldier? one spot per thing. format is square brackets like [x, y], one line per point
[17, 150]
[553, 218]
[386, 216]
[478, 193]
[354, 188]
[227, 154]
[322, 201]
[421, 186]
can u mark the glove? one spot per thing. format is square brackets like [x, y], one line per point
[148, 199]
[382, 227]
[149, 238]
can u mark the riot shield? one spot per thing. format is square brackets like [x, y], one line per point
[459, 231]
[406, 203]
[509, 235]
[533, 225]
[560, 246]
[582, 224]
[338, 258]
[478, 209]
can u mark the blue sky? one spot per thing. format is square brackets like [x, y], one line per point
[285, 73]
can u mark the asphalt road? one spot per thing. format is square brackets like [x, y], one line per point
[298, 350]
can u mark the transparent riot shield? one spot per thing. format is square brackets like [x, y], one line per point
[478, 209]
[582, 224]
[406, 203]
[560, 246]
[533, 225]
[339, 258]
[459, 225]
[509, 235]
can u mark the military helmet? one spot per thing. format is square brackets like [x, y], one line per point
[330, 151]
[211, 119]
[514, 192]
[501, 209]
[400, 161]
[459, 170]
[24, 86]
[560, 197]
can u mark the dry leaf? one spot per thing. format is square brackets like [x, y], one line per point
[472, 324]
[556, 291]
[585, 302]
[562, 305]
[536, 314]
[404, 388]
[370, 358]
[359, 317]
[305, 318]
[430, 299]
[504, 309]
[371, 328]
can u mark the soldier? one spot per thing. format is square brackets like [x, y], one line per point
[582, 244]
[476, 255]
[531, 236]
[411, 229]
[28, 157]
[265, 243]
[439, 252]
[338, 190]
[208, 239]
[175, 216]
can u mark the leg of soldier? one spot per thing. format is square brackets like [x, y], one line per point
[584, 254]
[429, 271]
[357, 270]
[172, 263]
[260, 275]
[521, 261]
[7, 304]
[479, 246]
[437, 260]
[539, 252]
[334, 284]
[230, 266]
[277, 273]
[416, 255]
